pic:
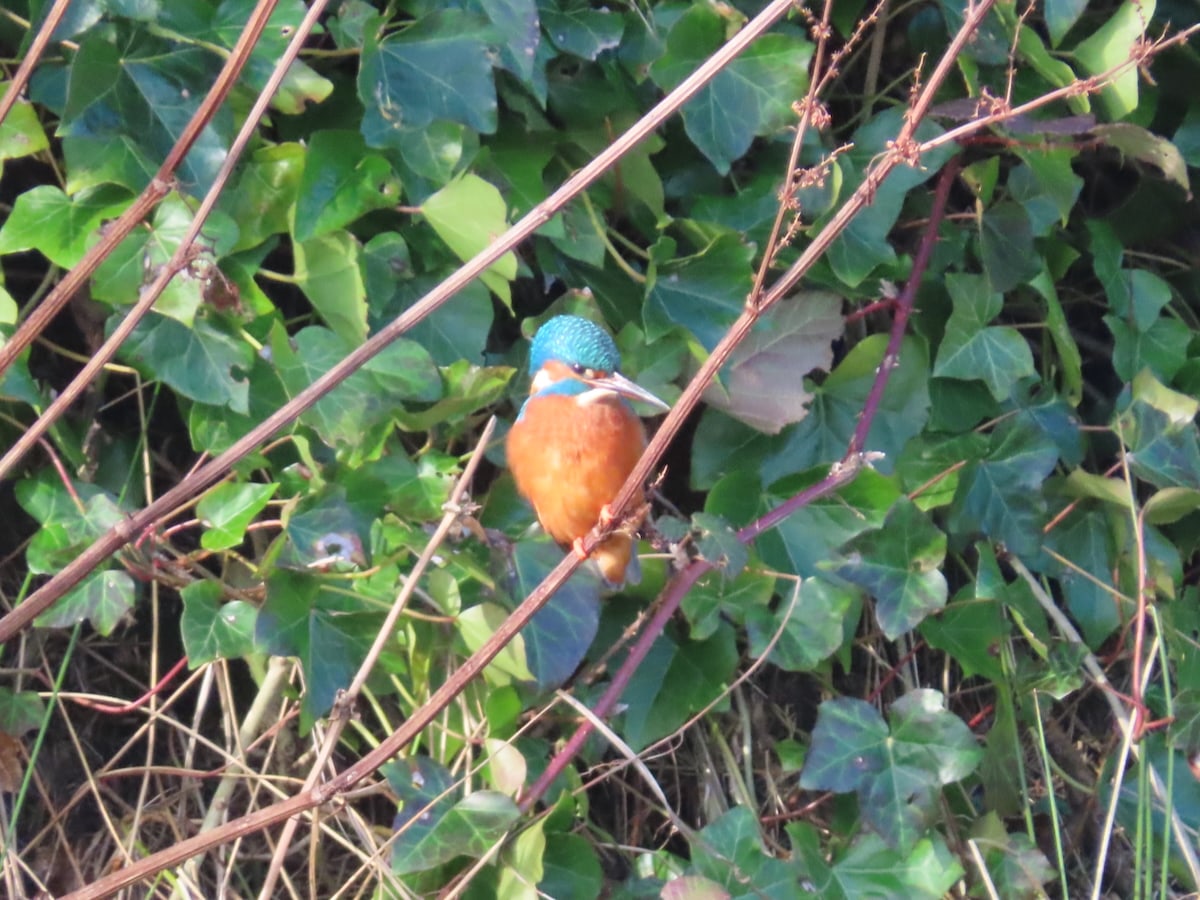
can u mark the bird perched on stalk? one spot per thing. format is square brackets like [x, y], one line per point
[577, 438]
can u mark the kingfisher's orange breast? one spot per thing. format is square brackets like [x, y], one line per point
[570, 460]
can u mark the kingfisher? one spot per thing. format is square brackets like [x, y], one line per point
[577, 438]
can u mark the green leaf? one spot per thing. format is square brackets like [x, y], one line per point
[21, 134]
[202, 362]
[139, 258]
[476, 625]
[703, 293]
[897, 774]
[20, 712]
[758, 384]
[585, 33]
[718, 543]
[558, 636]
[139, 96]
[673, 682]
[439, 67]
[809, 537]
[715, 596]
[228, 509]
[469, 214]
[432, 831]
[1006, 246]
[323, 626]
[214, 630]
[341, 182]
[327, 270]
[468, 388]
[570, 867]
[1135, 142]
[264, 193]
[1001, 494]
[57, 226]
[517, 22]
[1159, 429]
[1061, 15]
[1162, 348]
[1112, 44]
[871, 868]
[730, 852]
[972, 349]
[972, 631]
[899, 564]
[812, 632]
[837, 404]
[1085, 540]
[103, 598]
[367, 398]
[751, 96]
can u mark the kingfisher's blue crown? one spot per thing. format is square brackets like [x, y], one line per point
[574, 340]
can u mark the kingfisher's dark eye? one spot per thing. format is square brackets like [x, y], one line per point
[578, 368]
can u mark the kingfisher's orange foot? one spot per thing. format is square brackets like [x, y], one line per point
[606, 516]
[577, 546]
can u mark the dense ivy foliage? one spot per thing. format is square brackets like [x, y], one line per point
[910, 686]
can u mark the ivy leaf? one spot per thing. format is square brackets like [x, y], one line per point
[57, 226]
[202, 362]
[328, 271]
[559, 635]
[899, 564]
[571, 868]
[341, 182]
[262, 197]
[139, 258]
[517, 22]
[228, 509]
[1135, 142]
[214, 630]
[1162, 348]
[834, 411]
[1001, 494]
[585, 33]
[1158, 426]
[674, 681]
[469, 214]
[972, 349]
[896, 773]
[759, 384]
[806, 539]
[1112, 44]
[812, 633]
[751, 96]
[703, 293]
[433, 831]
[21, 134]
[729, 853]
[321, 625]
[140, 94]
[402, 372]
[1006, 246]
[103, 598]
[437, 68]
[1086, 540]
